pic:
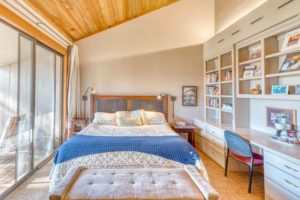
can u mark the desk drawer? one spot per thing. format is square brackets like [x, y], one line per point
[215, 132]
[216, 142]
[215, 153]
[287, 166]
[283, 179]
[273, 191]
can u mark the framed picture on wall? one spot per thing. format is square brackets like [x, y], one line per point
[274, 114]
[189, 95]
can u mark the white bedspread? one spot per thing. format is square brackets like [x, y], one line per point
[122, 159]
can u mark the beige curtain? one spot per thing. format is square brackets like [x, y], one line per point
[74, 96]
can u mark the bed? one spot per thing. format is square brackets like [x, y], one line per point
[109, 146]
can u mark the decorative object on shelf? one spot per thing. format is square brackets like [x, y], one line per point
[227, 75]
[227, 107]
[280, 89]
[291, 62]
[297, 89]
[85, 98]
[189, 95]
[212, 78]
[249, 71]
[256, 90]
[213, 90]
[291, 40]
[281, 118]
[257, 71]
[254, 52]
[213, 102]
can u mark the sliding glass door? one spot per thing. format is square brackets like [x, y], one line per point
[30, 105]
[44, 104]
[25, 107]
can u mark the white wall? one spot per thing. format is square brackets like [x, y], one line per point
[155, 53]
[228, 12]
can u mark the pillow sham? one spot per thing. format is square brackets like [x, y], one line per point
[105, 118]
[130, 118]
[155, 118]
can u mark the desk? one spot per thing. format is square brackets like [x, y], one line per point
[281, 161]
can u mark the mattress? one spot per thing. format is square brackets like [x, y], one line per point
[107, 147]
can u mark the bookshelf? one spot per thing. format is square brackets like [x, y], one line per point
[269, 60]
[219, 88]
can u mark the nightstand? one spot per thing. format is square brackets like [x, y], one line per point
[76, 125]
[189, 129]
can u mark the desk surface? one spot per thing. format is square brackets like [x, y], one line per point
[263, 140]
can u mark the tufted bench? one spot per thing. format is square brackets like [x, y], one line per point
[175, 183]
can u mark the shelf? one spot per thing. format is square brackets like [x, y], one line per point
[212, 96]
[226, 96]
[250, 61]
[212, 71]
[216, 83]
[212, 108]
[226, 67]
[251, 78]
[291, 73]
[224, 82]
[282, 53]
[270, 97]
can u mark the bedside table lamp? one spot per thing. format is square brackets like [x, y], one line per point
[173, 98]
[85, 98]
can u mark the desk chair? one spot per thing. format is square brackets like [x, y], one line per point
[240, 149]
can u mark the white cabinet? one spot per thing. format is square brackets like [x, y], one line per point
[281, 177]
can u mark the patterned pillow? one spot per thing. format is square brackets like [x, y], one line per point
[153, 118]
[130, 118]
[104, 118]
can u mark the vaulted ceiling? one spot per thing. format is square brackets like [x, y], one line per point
[78, 19]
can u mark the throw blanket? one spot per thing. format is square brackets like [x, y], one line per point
[170, 147]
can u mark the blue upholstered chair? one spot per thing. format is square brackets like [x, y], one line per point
[240, 149]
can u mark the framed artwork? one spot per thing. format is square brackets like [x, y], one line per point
[274, 114]
[291, 40]
[189, 95]
[248, 74]
[254, 52]
[280, 89]
[291, 62]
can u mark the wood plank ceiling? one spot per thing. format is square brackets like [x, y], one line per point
[78, 19]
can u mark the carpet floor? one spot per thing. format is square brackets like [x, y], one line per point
[233, 187]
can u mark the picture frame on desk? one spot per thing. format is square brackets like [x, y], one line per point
[274, 113]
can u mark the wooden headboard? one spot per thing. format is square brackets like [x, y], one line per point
[112, 104]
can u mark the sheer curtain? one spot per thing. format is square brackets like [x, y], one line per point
[74, 96]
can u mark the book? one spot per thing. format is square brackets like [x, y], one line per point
[291, 40]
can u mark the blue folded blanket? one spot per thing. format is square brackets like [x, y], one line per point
[170, 147]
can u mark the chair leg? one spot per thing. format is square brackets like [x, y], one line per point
[226, 163]
[250, 178]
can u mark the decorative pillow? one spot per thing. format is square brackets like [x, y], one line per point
[130, 118]
[105, 118]
[153, 118]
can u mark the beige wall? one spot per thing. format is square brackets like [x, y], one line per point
[150, 74]
[228, 12]
[155, 53]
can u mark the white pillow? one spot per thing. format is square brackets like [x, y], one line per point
[155, 118]
[136, 116]
[105, 118]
